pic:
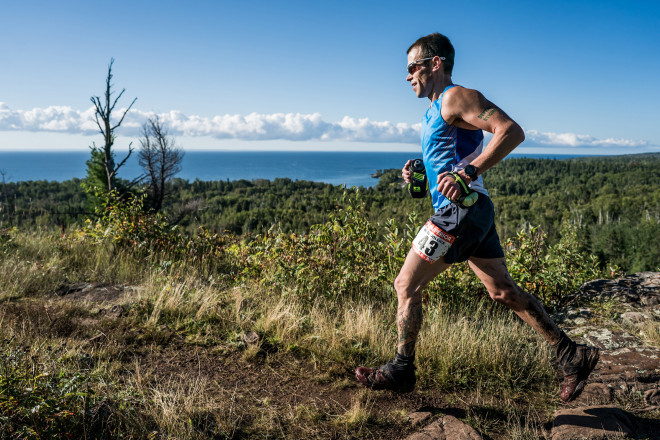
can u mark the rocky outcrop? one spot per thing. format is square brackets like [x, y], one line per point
[628, 373]
[629, 364]
[611, 315]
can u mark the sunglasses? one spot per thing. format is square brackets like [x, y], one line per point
[412, 67]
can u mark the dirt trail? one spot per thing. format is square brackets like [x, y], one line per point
[296, 397]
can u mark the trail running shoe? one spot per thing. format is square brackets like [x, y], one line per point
[386, 378]
[577, 371]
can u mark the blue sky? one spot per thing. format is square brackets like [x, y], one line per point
[579, 76]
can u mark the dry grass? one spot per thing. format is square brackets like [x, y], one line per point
[651, 332]
[483, 348]
[184, 408]
[479, 350]
[360, 411]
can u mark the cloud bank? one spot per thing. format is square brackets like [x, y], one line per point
[579, 140]
[262, 127]
[254, 126]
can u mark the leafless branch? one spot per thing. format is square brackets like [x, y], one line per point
[130, 150]
[103, 110]
[159, 157]
[124, 115]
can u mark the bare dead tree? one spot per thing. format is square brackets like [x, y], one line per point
[103, 116]
[160, 158]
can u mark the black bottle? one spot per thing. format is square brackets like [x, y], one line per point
[419, 184]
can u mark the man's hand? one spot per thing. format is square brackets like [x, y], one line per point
[406, 173]
[448, 186]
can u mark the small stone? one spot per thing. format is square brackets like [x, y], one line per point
[571, 314]
[116, 312]
[632, 318]
[650, 300]
[455, 429]
[419, 417]
[597, 393]
[652, 397]
[446, 428]
[251, 338]
[579, 321]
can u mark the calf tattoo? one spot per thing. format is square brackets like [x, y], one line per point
[532, 312]
[409, 321]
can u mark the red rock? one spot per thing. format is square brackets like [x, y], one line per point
[592, 423]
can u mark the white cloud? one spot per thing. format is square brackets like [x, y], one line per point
[254, 126]
[266, 127]
[579, 140]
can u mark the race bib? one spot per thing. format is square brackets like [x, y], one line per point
[432, 242]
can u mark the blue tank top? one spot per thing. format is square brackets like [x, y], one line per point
[447, 148]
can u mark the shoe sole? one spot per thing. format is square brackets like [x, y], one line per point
[584, 374]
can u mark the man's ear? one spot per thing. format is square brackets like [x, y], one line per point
[437, 63]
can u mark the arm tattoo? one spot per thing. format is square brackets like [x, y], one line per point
[409, 323]
[487, 114]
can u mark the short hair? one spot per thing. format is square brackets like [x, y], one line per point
[433, 45]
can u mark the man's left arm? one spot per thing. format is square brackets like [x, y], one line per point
[468, 108]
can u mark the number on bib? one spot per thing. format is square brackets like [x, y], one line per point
[432, 242]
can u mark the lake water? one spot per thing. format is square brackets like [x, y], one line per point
[349, 168]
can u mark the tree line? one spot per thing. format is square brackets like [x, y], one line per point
[613, 201]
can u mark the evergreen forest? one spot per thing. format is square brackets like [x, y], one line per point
[613, 203]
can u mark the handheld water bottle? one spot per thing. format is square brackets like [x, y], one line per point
[419, 183]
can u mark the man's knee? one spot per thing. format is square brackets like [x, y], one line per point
[505, 294]
[402, 284]
[405, 286]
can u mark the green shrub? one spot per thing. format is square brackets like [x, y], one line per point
[7, 240]
[128, 225]
[346, 256]
[37, 405]
[551, 273]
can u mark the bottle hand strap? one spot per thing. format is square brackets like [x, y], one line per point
[464, 188]
[467, 198]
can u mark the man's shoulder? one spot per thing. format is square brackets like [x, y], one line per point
[459, 99]
[459, 92]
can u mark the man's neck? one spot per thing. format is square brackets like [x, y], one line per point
[439, 86]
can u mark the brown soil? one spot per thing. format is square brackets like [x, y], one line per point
[287, 395]
[263, 382]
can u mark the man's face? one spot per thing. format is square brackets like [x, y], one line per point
[420, 78]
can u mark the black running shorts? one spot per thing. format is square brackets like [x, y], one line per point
[471, 230]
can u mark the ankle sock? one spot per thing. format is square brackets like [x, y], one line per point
[402, 364]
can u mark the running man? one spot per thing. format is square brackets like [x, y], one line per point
[454, 157]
